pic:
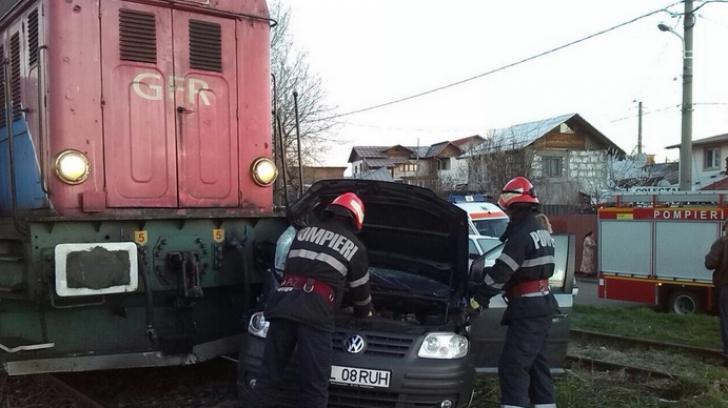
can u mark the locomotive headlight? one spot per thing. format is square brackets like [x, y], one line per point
[264, 171]
[72, 166]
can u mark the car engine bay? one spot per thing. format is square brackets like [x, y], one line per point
[404, 299]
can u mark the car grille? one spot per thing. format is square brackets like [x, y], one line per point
[349, 397]
[382, 345]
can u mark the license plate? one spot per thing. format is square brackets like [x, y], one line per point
[360, 377]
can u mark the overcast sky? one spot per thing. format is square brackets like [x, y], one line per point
[375, 51]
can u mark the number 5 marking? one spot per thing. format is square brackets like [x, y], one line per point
[140, 237]
[218, 235]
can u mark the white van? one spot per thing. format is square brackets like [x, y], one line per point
[486, 218]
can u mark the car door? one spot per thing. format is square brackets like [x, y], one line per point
[488, 336]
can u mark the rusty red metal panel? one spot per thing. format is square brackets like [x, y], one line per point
[249, 7]
[139, 128]
[206, 100]
[254, 101]
[579, 225]
[73, 110]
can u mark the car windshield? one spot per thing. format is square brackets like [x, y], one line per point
[561, 245]
[491, 227]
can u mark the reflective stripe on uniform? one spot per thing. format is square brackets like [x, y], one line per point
[536, 294]
[544, 260]
[544, 406]
[509, 261]
[319, 256]
[490, 282]
[361, 281]
[363, 302]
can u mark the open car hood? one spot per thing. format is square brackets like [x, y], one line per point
[405, 227]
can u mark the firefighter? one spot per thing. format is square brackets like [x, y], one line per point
[322, 258]
[521, 273]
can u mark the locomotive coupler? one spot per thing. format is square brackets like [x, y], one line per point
[188, 269]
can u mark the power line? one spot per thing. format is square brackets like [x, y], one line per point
[415, 129]
[493, 71]
[716, 22]
[668, 108]
[646, 113]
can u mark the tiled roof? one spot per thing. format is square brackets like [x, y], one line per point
[368, 153]
[464, 140]
[707, 140]
[380, 174]
[721, 184]
[376, 163]
[519, 136]
[435, 149]
[522, 135]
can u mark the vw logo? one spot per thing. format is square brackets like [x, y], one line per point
[354, 344]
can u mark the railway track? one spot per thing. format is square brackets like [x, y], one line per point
[637, 373]
[632, 342]
[644, 374]
[83, 400]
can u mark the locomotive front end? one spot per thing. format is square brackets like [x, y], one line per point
[136, 212]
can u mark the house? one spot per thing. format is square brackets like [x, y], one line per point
[709, 164]
[565, 157]
[311, 174]
[435, 166]
[380, 174]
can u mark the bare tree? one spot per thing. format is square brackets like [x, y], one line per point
[494, 162]
[293, 74]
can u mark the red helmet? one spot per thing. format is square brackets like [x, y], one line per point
[518, 190]
[351, 202]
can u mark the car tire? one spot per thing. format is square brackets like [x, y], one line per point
[684, 302]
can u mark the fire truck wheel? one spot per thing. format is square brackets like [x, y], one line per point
[683, 302]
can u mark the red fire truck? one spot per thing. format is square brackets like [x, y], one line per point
[652, 247]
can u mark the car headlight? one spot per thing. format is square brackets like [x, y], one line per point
[444, 346]
[72, 166]
[258, 326]
[264, 171]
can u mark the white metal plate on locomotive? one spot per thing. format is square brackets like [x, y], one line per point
[360, 377]
[63, 250]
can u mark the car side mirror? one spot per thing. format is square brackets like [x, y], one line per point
[473, 255]
[476, 269]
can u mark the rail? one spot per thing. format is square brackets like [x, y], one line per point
[84, 399]
[644, 343]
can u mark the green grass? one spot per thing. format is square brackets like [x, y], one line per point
[698, 383]
[610, 391]
[642, 322]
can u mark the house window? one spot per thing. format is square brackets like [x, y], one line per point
[712, 158]
[552, 166]
[443, 164]
[409, 167]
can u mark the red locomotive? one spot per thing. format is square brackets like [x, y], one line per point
[136, 205]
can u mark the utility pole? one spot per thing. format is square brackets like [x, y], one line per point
[686, 145]
[639, 128]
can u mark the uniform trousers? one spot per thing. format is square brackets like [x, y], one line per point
[523, 370]
[314, 363]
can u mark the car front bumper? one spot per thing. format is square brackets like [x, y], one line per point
[414, 382]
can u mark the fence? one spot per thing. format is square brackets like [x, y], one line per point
[577, 224]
